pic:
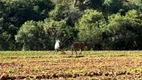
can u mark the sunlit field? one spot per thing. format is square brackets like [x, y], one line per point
[97, 65]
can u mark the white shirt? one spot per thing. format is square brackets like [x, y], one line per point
[57, 45]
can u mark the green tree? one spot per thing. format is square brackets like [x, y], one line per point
[65, 12]
[31, 36]
[91, 26]
[60, 30]
[15, 12]
[123, 32]
[60, 12]
[112, 6]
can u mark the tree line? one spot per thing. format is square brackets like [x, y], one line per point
[104, 24]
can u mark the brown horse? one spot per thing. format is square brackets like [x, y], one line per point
[79, 46]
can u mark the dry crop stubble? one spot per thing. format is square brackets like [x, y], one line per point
[117, 65]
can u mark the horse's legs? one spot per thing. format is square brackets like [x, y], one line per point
[76, 52]
[72, 50]
[62, 51]
[80, 52]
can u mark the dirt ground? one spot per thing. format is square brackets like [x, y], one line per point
[88, 67]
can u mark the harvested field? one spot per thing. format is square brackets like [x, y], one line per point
[97, 65]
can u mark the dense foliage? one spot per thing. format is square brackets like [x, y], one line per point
[104, 24]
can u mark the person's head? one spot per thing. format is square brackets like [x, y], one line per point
[57, 41]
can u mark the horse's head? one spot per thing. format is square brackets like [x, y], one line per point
[86, 45]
